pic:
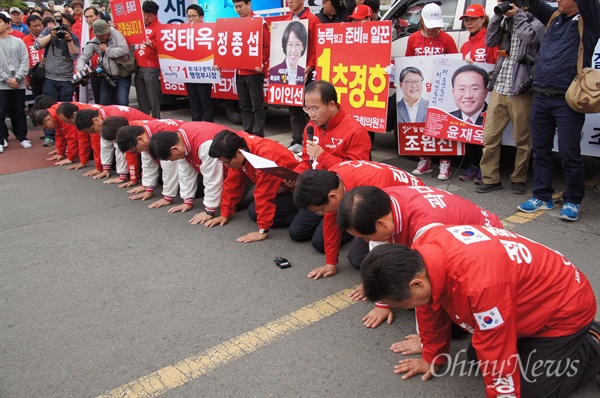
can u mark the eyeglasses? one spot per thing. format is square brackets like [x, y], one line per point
[413, 82]
[226, 162]
[193, 16]
[313, 111]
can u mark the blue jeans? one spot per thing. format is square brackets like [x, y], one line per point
[118, 95]
[60, 91]
[250, 94]
[550, 115]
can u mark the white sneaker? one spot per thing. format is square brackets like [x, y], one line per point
[424, 167]
[5, 144]
[26, 144]
[444, 170]
[1, 148]
[296, 148]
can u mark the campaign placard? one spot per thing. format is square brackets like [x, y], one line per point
[412, 142]
[239, 43]
[361, 81]
[129, 20]
[289, 44]
[459, 101]
[186, 53]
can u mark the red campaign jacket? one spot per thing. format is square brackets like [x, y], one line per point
[147, 57]
[500, 286]
[128, 113]
[133, 166]
[476, 50]
[87, 141]
[416, 207]
[66, 136]
[419, 45]
[356, 173]
[342, 139]
[266, 49]
[267, 185]
[311, 51]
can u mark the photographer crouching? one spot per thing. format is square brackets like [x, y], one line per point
[115, 64]
[61, 50]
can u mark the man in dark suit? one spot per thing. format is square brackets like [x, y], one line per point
[469, 88]
[411, 108]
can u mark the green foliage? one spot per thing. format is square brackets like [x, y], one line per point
[13, 3]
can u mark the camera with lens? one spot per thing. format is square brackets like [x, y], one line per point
[504, 7]
[81, 78]
[60, 31]
[526, 59]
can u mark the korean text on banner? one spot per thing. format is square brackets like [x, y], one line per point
[239, 43]
[412, 142]
[186, 53]
[129, 20]
[354, 57]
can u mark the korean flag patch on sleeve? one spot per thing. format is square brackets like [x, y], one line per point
[467, 234]
[489, 319]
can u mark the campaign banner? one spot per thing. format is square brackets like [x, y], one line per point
[458, 104]
[186, 53]
[412, 142]
[239, 43]
[129, 20]
[360, 80]
[289, 44]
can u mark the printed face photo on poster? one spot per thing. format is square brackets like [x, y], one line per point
[289, 42]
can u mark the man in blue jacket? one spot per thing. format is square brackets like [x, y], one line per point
[556, 66]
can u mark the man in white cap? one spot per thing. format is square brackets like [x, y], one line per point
[16, 15]
[112, 50]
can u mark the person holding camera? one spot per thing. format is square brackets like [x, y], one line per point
[61, 50]
[518, 35]
[114, 58]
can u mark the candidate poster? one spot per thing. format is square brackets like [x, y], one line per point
[361, 82]
[129, 20]
[459, 101]
[414, 81]
[289, 45]
[239, 43]
[186, 53]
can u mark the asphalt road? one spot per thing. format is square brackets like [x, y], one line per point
[97, 291]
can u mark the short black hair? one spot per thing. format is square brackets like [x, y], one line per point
[239, 1]
[111, 125]
[84, 119]
[150, 7]
[127, 137]
[472, 68]
[300, 32]
[313, 186]
[38, 117]
[226, 144]
[196, 8]
[32, 18]
[161, 143]
[326, 90]
[67, 109]
[361, 208]
[68, 17]
[47, 20]
[43, 102]
[93, 8]
[387, 270]
[407, 70]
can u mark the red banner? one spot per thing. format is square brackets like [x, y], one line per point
[441, 124]
[412, 142]
[360, 78]
[239, 43]
[129, 20]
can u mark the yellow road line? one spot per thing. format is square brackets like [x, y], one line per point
[191, 368]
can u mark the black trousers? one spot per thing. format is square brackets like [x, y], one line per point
[309, 226]
[12, 104]
[201, 106]
[284, 214]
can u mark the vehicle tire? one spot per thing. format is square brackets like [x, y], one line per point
[233, 111]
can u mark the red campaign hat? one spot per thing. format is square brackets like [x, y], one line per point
[474, 11]
[361, 11]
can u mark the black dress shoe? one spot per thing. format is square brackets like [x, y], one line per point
[483, 188]
[518, 188]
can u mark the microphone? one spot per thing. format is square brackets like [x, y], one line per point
[310, 132]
